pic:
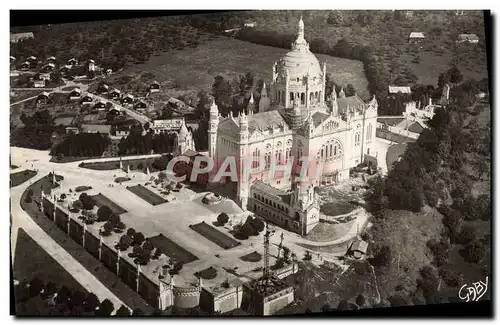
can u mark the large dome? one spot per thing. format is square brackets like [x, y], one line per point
[299, 62]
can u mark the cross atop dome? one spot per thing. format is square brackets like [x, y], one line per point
[300, 43]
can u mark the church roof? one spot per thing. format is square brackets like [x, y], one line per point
[351, 101]
[271, 190]
[229, 126]
[265, 120]
[319, 117]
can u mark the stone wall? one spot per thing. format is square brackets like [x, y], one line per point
[76, 231]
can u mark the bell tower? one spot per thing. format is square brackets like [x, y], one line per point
[212, 131]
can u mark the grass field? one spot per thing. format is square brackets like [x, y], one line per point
[31, 261]
[337, 208]
[214, 235]
[146, 195]
[196, 68]
[394, 152]
[21, 177]
[101, 200]
[171, 249]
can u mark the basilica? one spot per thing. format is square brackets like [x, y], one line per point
[293, 120]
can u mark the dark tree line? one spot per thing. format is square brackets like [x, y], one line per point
[83, 145]
[36, 132]
[136, 143]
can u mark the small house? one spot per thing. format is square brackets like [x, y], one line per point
[25, 65]
[358, 249]
[12, 59]
[108, 71]
[48, 67]
[51, 59]
[72, 130]
[96, 128]
[100, 105]
[141, 106]
[72, 61]
[19, 37]
[75, 94]
[87, 99]
[468, 38]
[102, 89]
[39, 83]
[416, 37]
[154, 87]
[32, 59]
[115, 94]
[399, 89]
[249, 24]
[128, 99]
[45, 76]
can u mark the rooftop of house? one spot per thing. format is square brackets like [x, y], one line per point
[101, 128]
[360, 245]
[468, 37]
[399, 89]
[417, 35]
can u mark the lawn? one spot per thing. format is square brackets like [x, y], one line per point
[214, 235]
[196, 68]
[146, 195]
[325, 231]
[21, 177]
[101, 200]
[24, 94]
[171, 249]
[32, 261]
[337, 208]
[394, 152]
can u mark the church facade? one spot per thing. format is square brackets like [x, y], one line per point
[293, 124]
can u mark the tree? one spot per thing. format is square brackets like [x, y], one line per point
[76, 300]
[114, 219]
[138, 238]
[131, 232]
[103, 213]
[123, 311]
[350, 90]
[467, 235]
[455, 75]
[343, 305]
[138, 312]
[326, 308]
[258, 225]
[91, 302]
[36, 286]
[63, 196]
[383, 258]
[106, 308]
[106, 229]
[125, 242]
[360, 300]
[222, 218]
[473, 252]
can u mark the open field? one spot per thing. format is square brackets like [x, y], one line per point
[214, 235]
[196, 68]
[146, 195]
[389, 38]
[101, 200]
[21, 177]
[337, 208]
[171, 249]
[32, 261]
[394, 152]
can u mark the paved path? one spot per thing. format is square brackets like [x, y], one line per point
[20, 219]
[139, 117]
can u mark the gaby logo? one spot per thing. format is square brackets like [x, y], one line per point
[473, 292]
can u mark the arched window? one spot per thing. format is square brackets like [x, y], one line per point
[310, 97]
[287, 155]
[357, 138]
[331, 152]
[302, 98]
[322, 153]
[292, 97]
